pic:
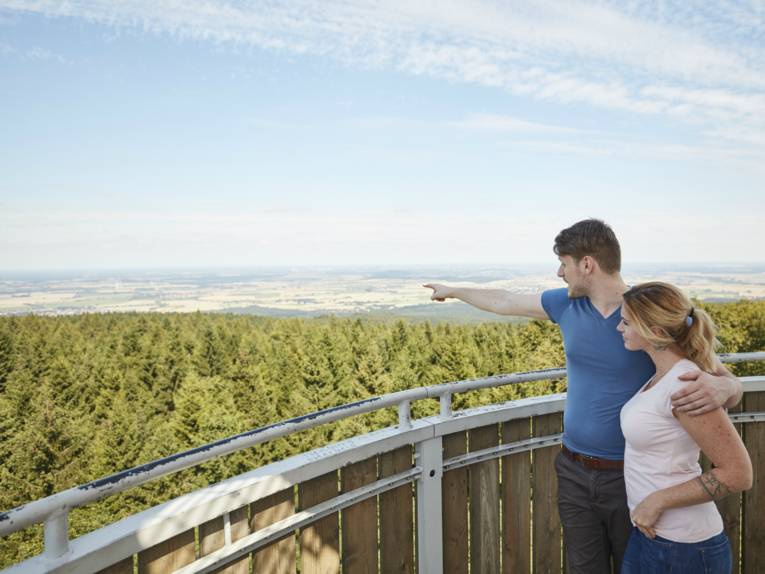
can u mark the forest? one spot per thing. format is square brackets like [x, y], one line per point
[85, 396]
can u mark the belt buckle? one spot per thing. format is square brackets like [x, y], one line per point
[589, 461]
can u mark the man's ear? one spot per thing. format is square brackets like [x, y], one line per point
[588, 264]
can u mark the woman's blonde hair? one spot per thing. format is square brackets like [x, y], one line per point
[664, 316]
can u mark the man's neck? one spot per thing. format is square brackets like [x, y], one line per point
[606, 292]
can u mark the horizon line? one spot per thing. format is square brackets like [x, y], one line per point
[376, 266]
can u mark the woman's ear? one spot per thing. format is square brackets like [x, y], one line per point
[660, 332]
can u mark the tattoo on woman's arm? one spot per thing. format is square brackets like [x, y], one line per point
[714, 488]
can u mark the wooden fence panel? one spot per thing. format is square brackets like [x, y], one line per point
[212, 538]
[123, 567]
[754, 499]
[546, 531]
[516, 501]
[319, 543]
[168, 555]
[396, 516]
[484, 504]
[730, 508]
[454, 495]
[279, 557]
[360, 520]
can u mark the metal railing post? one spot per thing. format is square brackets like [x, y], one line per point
[404, 415]
[445, 401]
[430, 554]
[57, 535]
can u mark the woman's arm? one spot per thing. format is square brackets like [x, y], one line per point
[719, 441]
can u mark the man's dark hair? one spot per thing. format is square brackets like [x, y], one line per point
[591, 237]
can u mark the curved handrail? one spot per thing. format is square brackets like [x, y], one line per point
[39, 510]
[55, 507]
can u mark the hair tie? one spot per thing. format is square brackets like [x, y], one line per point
[689, 318]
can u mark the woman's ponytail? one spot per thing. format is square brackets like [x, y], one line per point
[699, 339]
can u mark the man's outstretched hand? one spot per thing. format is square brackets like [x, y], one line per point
[440, 292]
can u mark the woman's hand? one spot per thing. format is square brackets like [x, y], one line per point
[647, 513]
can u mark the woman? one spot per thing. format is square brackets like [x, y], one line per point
[677, 527]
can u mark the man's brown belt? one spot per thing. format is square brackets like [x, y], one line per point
[593, 462]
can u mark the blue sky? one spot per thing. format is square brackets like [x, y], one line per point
[166, 134]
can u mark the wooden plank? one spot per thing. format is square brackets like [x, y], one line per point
[454, 493]
[279, 557]
[360, 520]
[730, 508]
[396, 516]
[546, 534]
[212, 538]
[320, 542]
[753, 555]
[484, 504]
[123, 567]
[516, 501]
[168, 555]
[240, 527]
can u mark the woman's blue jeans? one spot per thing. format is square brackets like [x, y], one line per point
[662, 556]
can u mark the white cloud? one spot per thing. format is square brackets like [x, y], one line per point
[698, 63]
[741, 135]
[93, 239]
[81, 239]
[531, 34]
[737, 144]
[31, 54]
[493, 122]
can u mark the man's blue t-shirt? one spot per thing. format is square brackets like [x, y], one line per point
[602, 374]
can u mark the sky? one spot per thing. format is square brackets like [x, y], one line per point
[167, 134]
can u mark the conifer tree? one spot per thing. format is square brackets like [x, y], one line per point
[6, 357]
[210, 359]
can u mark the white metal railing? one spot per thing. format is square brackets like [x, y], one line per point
[52, 510]
[134, 533]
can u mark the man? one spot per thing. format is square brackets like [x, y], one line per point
[602, 376]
